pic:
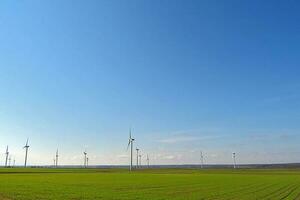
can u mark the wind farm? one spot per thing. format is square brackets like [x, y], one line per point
[149, 100]
[244, 182]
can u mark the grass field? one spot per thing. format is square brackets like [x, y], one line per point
[64, 184]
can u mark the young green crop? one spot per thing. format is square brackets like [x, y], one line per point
[155, 184]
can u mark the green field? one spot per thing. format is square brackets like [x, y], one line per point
[64, 184]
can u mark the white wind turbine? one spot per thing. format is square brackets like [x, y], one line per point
[56, 158]
[148, 161]
[9, 161]
[130, 143]
[202, 160]
[234, 161]
[6, 153]
[26, 152]
[85, 154]
[140, 156]
[137, 157]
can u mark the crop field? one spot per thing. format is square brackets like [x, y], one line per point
[153, 184]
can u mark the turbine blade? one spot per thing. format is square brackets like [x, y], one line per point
[128, 144]
[130, 139]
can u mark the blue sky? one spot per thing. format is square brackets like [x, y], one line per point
[216, 76]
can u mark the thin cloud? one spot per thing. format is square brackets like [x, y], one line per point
[272, 135]
[186, 138]
[169, 157]
[122, 156]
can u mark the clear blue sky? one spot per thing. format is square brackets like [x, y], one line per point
[216, 76]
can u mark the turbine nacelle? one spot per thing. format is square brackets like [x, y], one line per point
[26, 145]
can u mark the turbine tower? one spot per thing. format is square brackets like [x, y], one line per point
[7, 153]
[234, 161]
[87, 161]
[147, 160]
[9, 161]
[201, 156]
[140, 160]
[85, 154]
[26, 152]
[130, 143]
[137, 157]
[14, 162]
[56, 158]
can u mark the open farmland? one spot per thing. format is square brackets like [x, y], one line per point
[62, 184]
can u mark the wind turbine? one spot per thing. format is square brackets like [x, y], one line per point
[85, 153]
[56, 158]
[234, 161]
[7, 153]
[130, 143]
[54, 161]
[201, 156]
[137, 157]
[87, 161]
[140, 160]
[14, 162]
[148, 160]
[26, 152]
[9, 160]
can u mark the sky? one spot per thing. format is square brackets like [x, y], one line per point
[187, 76]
